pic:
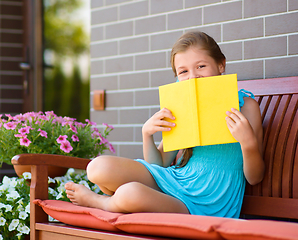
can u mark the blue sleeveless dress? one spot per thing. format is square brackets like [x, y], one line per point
[212, 183]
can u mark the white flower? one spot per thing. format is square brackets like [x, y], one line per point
[2, 221]
[1, 238]
[59, 195]
[13, 225]
[51, 180]
[52, 192]
[8, 208]
[70, 171]
[27, 208]
[27, 175]
[2, 205]
[95, 189]
[23, 229]
[23, 215]
[61, 188]
[12, 195]
[83, 182]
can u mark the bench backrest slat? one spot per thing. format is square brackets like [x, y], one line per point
[278, 100]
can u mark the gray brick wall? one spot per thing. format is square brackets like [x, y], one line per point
[131, 42]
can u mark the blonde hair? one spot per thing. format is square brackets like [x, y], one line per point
[202, 41]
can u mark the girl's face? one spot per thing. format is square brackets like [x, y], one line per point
[196, 63]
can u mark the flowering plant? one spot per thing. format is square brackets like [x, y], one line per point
[50, 134]
[15, 201]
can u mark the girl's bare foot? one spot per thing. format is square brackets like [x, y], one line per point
[80, 195]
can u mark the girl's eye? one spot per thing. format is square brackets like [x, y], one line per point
[182, 72]
[201, 66]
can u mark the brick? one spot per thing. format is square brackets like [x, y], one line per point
[243, 29]
[232, 51]
[119, 30]
[134, 116]
[11, 37]
[96, 34]
[104, 49]
[281, 67]
[161, 6]
[11, 24]
[265, 48]
[96, 67]
[106, 83]
[196, 3]
[138, 136]
[134, 10]
[213, 31]
[164, 40]
[163, 77]
[11, 51]
[11, 10]
[131, 151]
[119, 99]
[293, 44]
[9, 66]
[134, 80]
[112, 2]
[223, 12]
[121, 134]
[106, 116]
[246, 70]
[188, 18]
[286, 23]
[115, 65]
[150, 61]
[96, 3]
[11, 108]
[147, 97]
[151, 24]
[11, 79]
[104, 15]
[293, 5]
[254, 8]
[133, 45]
[11, 93]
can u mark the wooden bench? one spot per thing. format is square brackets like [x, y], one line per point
[275, 197]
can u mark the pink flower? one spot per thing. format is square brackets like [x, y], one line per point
[66, 146]
[24, 130]
[75, 138]
[25, 142]
[9, 125]
[89, 122]
[73, 128]
[61, 138]
[102, 139]
[20, 135]
[112, 149]
[43, 133]
[108, 126]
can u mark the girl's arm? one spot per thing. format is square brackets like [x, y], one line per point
[156, 123]
[246, 127]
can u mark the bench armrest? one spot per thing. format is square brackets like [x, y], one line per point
[50, 159]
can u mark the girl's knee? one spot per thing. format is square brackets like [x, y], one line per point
[128, 195]
[99, 169]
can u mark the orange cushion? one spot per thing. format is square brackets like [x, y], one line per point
[171, 225]
[69, 213]
[258, 230]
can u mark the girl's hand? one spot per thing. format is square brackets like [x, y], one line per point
[157, 123]
[239, 126]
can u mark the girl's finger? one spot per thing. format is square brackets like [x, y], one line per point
[233, 116]
[237, 113]
[230, 122]
[166, 123]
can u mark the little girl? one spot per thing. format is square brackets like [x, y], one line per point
[207, 180]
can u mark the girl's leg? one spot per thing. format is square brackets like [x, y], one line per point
[110, 172]
[128, 198]
[132, 187]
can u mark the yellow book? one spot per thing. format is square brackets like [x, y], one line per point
[199, 106]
